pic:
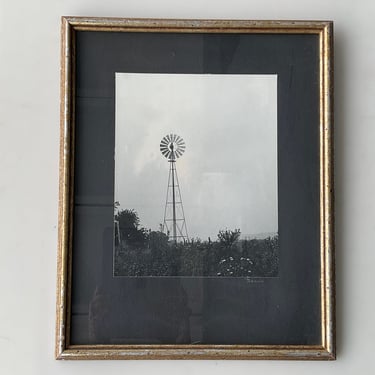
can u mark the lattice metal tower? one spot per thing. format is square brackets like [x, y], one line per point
[174, 225]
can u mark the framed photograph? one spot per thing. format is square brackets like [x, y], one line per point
[196, 191]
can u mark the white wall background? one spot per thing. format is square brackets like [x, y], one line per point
[29, 145]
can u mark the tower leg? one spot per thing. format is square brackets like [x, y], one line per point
[174, 224]
[174, 216]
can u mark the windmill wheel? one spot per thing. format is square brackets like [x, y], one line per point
[172, 146]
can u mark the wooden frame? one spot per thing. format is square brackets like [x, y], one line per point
[64, 349]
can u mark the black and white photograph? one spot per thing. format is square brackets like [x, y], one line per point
[196, 179]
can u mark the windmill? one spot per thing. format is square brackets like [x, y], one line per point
[172, 147]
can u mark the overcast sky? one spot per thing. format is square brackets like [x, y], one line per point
[228, 173]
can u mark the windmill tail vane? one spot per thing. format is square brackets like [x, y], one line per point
[172, 147]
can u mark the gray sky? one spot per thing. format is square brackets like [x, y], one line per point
[228, 173]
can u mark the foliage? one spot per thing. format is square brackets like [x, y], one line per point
[144, 252]
[228, 237]
[129, 227]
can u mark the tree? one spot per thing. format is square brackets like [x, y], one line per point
[157, 240]
[129, 227]
[228, 237]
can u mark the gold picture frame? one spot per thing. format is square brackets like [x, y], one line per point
[69, 144]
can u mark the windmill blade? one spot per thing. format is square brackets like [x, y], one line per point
[164, 142]
[181, 143]
[166, 153]
[164, 149]
[164, 146]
